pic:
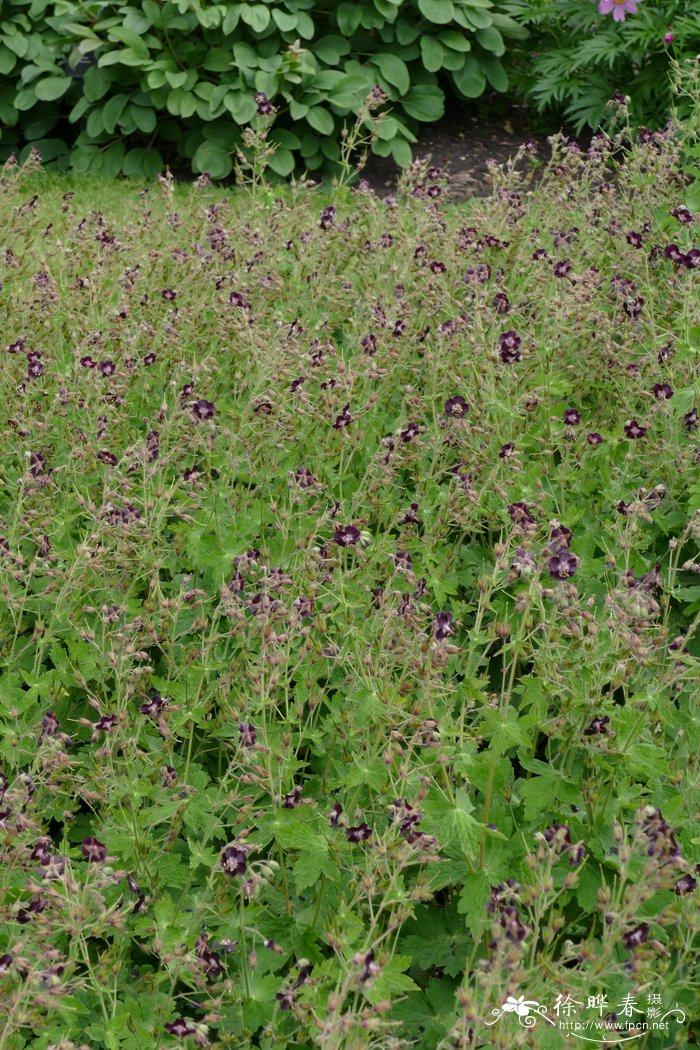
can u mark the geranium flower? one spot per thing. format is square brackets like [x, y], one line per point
[618, 8]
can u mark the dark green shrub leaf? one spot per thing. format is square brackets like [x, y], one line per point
[496, 74]
[432, 53]
[424, 102]
[257, 16]
[491, 40]
[469, 80]
[394, 71]
[349, 17]
[51, 88]
[282, 162]
[321, 120]
[212, 159]
[440, 11]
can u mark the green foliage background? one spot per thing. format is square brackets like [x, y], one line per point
[184, 73]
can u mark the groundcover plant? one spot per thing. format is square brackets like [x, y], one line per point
[348, 640]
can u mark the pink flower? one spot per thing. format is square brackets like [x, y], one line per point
[618, 8]
[668, 38]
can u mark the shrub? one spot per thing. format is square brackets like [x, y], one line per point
[576, 59]
[102, 86]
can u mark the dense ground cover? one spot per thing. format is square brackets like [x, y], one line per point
[349, 566]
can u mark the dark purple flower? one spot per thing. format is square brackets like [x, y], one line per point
[635, 239]
[501, 303]
[690, 419]
[563, 565]
[93, 850]
[561, 269]
[511, 923]
[456, 407]
[686, 884]
[335, 814]
[673, 252]
[560, 835]
[37, 906]
[510, 341]
[154, 705]
[662, 391]
[682, 214]
[49, 724]
[572, 417]
[168, 294]
[204, 409]
[507, 450]
[369, 344]
[559, 537]
[411, 431]
[106, 457]
[6, 961]
[633, 430]
[594, 438]
[344, 419]
[248, 735]
[598, 727]
[442, 625]
[438, 267]
[285, 999]
[87, 362]
[292, 799]
[636, 937]
[520, 513]
[327, 217]
[359, 833]
[411, 515]
[234, 860]
[263, 103]
[17, 347]
[540, 253]
[180, 1027]
[149, 358]
[346, 535]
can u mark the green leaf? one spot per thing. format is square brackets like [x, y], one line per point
[497, 76]
[455, 40]
[282, 162]
[491, 40]
[212, 159]
[111, 112]
[51, 88]
[401, 152]
[440, 11]
[348, 17]
[424, 102]
[432, 53]
[241, 106]
[7, 60]
[469, 80]
[321, 120]
[257, 16]
[393, 69]
[144, 119]
[284, 21]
